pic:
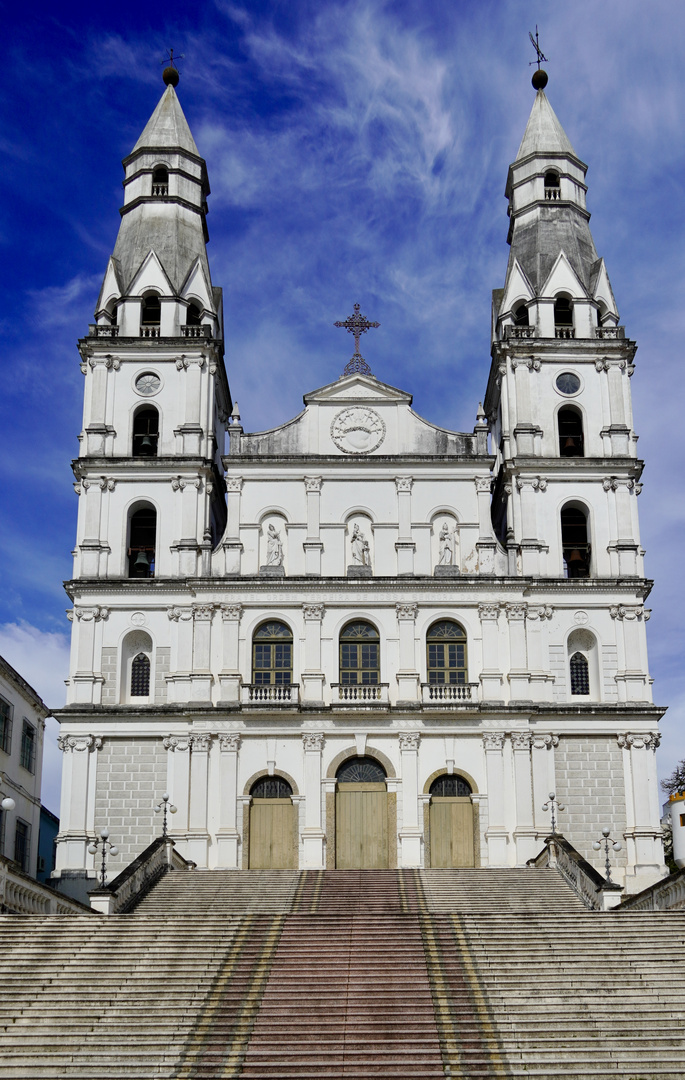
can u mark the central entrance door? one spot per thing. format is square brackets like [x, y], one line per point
[451, 823]
[361, 816]
[272, 825]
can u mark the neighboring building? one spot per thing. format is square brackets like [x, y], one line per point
[22, 729]
[390, 641]
[49, 828]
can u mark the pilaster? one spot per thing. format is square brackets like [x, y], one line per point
[313, 547]
[77, 809]
[404, 546]
[407, 675]
[519, 676]
[411, 833]
[491, 676]
[524, 832]
[312, 677]
[198, 835]
[227, 837]
[643, 834]
[313, 836]
[497, 834]
[232, 545]
[230, 677]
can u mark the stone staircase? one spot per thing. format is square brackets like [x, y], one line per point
[346, 974]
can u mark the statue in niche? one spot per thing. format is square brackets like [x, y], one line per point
[274, 547]
[361, 553]
[446, 557]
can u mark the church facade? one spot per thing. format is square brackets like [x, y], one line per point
[358, 640]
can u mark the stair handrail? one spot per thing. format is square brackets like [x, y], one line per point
[667, 894]
[595, 891]
[135, 880]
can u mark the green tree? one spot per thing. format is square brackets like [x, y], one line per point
[676, 781]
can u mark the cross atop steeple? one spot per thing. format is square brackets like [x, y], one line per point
[357, 324]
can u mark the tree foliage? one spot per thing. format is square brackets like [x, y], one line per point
[676, 781]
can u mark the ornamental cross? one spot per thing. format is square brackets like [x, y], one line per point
[170, 60]
[536, 45]
[357, 324]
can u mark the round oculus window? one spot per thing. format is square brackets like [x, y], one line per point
[568, 383]
[148, 384]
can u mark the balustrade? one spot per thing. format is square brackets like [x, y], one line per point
[564, 332]
[445, 693]
[95, 330]
[149, 331]
[360, 693]
[268, 694]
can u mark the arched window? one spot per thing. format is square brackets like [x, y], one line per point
[160, 181]
[142, 541]
[563, 317]
[140, 676]
[580, 674]
[360, 770]
[272, 655]
[359, 655]
[521, 316]
[570, 424]
[574, 542]
[450, 787]
[193, 315]
[446, 654]
[271, 787]
[145, 432]
[150, 315]
[552, 185]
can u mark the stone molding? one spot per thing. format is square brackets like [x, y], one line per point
[516, 612]
[203, 612]
[613, 483]
[483, 483]
[79, 743]
[525, 361]
[179, 483]
[521, 740]
[630, 613]
[92, 614]
[541, 612]
[176, 614]
[107, 361]
[184, 362]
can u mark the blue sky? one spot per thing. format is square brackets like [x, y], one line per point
[357, 151]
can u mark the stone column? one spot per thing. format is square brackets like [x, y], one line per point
[643, 836]
[405, 546]
[618, 431]
[178, 784]
[313, 835]
[312, 677]
[86, 681]
[411, 833]
[97, 430]
[179, 680]
[77, 809]
[524, 833]
[541, 680]
[229, 677]
[519, 676]
[525, 431]
[531, 547]
[227, 837]
[486, 544]
[497, 835]
[232, 546]
[632, 677]
[202, 678]
[191, 430]
[544, 779]
[624, 546]
[313, 546]
[198, 836]
[407, 675]
[490, 676]
[188, 545]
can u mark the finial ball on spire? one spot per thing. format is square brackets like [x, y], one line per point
[539, 79]
[170, 76]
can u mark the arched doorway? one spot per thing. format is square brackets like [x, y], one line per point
[361, 815]
[272, 825]
[451, 823]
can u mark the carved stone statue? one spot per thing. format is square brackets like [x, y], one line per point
[446, 546]
[361, 553]
[274, 547]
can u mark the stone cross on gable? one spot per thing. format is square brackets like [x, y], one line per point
[357, 324]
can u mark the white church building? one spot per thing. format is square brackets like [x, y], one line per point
[358, 640]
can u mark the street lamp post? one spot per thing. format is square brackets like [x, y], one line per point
[550, 805]
[103, 843]
[8, 804]
[164, 806]
[606, 840]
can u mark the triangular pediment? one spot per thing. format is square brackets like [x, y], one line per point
[601, 289]
[111, 285]
[357, 388]
[517, 288]
[151, 275]
[563, 278]
[196, 286]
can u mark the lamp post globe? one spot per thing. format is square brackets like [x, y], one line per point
[8, 804]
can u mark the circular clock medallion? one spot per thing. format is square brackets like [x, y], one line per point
[568, 383]
[357, 430]
[148, 383]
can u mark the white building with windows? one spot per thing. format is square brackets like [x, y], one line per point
[22, 729]
[358, 639]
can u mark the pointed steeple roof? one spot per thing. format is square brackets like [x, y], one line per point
[544, 134]
[167, 127]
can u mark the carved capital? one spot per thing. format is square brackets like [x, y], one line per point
[493, 740]
[234, 484]
[182, 614]
[647, 741]
[483, 483]
[203, 612]
[601, 365]
[79, 743]
[404, 483]
[180, 483]
[527, 362]
[516, 612]
[409, 740]
[537, 483]
[631, 614]
[406, 611]
[231, 612]
[541, 612]
[313, 483]
[313, 612]
[229, 741]
[200, 742]
[92, 614]
[176, 742]
[544, 742]
[613, 483]
[488, 612]
[521, 740]
[313, 740]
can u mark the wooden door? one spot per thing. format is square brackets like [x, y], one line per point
[272, 825]
[451, 832]
[361, 827]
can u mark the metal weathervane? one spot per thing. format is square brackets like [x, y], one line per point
[357, 324]
[170, 60]
[536, 45]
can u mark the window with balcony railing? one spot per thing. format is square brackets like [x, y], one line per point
[446, 654]
[552, 186]
[359, 655]
[150, 316]
[142, 543]
[563, 318]
[575, 542]
[272, 655]
[160, 182]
